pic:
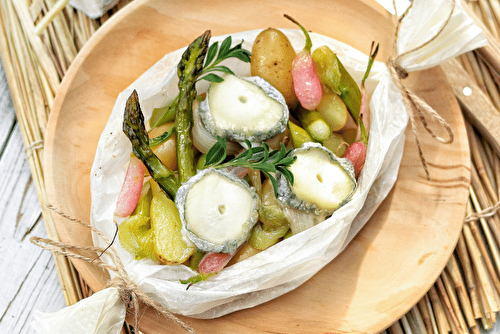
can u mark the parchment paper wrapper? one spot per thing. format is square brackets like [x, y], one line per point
[288, 264]
[93, 8]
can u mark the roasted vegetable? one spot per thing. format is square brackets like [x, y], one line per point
[315, 124]
[305, 78]
[210, 264]
[356, 154]
[131, 189]
[299, 135]
[262, 238]
[136, 237]
[133, 126]
[336, 144]
[165, 150]
[164, 115]
[334, 77]
[244, 109]
[334, 111]
[270, 211]
[188, 70]
[135, 232]
[243, 253]
[272, 57]
[169, 245]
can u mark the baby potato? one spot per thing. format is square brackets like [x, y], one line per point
[272, 57]
[165, 151]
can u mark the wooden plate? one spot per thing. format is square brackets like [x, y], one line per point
[390, 264]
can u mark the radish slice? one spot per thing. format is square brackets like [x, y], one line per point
[131, 189]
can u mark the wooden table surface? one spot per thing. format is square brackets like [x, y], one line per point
[27, 273]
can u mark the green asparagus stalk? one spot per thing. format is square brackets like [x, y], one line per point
[188, 70]
[133, 126]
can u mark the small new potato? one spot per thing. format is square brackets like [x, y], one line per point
[166, 150]
[272, 57]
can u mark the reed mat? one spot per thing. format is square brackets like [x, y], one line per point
[39, 39]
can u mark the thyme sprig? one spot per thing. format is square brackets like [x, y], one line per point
[255, 157]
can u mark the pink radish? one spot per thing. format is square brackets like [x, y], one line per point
[210, 264]
[364, 116]
[214, 262]
[305, 78]
[130, 192]
[356, 153]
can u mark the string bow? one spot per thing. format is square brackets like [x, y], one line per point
[415, 106]
[130, 294]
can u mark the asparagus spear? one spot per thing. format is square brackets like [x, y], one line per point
[133, 126]
[188, 70]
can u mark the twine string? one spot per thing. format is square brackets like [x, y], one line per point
[486, 213]
[415, 106]
[33, 147]
[130, 294]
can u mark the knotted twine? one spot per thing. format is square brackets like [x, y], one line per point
[485, 213]
[415, 106]
[129, 292]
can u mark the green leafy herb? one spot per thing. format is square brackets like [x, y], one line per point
[224, 52]
[161, 138]
[214, 57]
[256, 157]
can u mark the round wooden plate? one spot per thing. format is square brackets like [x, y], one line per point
[389, 265]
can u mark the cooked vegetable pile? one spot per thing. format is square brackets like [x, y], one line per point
[219, 176]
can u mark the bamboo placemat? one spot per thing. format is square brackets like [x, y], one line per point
[39, 39]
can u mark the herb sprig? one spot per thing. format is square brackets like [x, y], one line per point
[224, 52]
[161, 138]
[255, 157]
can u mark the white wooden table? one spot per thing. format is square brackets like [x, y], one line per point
[28, 277]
